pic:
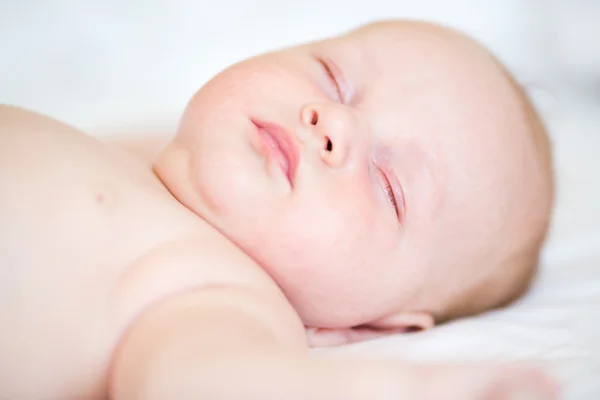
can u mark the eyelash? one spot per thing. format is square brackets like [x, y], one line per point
[389, 191]
[386, 182]
[332, 79]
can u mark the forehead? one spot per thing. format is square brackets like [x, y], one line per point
[420, 53]
[434, 82]
[440, 92]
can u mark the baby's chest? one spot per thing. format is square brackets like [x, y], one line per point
[76, 276]
[60, 272]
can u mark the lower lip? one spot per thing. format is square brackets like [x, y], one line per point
[270, 146]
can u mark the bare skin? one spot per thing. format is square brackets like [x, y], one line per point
[85, 201]
[113, 289]
[143, 146]
[128, 294]
[413, 186]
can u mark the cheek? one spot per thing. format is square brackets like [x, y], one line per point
[337, 212]
[231, 179]
[248, 86]
[332, 268]
[216, 105]
[344, 215]
[325, 237]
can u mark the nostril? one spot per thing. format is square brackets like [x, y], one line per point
[328, 144]
[314, 118]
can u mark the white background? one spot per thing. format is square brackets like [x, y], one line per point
[114, 66]
[112, 63]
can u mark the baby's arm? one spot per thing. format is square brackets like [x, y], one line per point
[231, 343]
[227, 343]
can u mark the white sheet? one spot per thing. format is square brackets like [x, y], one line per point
[556, 324]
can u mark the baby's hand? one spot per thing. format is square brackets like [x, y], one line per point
[478, 382]
[386, 380]
[450, 382]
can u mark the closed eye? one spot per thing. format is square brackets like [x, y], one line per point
[332, 76]
[387, 186]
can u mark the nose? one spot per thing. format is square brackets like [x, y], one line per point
[332, 128]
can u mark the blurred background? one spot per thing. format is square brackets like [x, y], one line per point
[112, 63]
[118, 66]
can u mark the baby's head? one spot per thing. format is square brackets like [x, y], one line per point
[392, 176]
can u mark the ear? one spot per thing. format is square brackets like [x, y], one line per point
[407, 321]
[390, 325]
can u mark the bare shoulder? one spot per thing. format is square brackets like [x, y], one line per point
[210, 266]
[31, 140]
[90, 239]
[20, 127]
[73, 216]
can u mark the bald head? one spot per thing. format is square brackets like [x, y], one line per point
[494, 168]
[512, 274]
[417, 182]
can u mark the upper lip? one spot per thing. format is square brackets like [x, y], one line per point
[285, 142]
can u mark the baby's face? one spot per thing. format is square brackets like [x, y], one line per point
[359, 171]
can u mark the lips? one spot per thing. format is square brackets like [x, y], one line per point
[280, 146]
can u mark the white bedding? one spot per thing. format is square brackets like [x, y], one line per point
[103, 65]
[557, 324]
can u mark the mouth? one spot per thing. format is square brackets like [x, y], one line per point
[280, 147]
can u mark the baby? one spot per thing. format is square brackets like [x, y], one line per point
[393, 177]
[381, 181]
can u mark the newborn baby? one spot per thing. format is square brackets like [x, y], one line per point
[380, 181]
[395, 176]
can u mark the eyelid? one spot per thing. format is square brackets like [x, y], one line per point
[396, 189]
[335, 76]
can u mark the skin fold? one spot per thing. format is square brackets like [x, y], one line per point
[190, 267]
